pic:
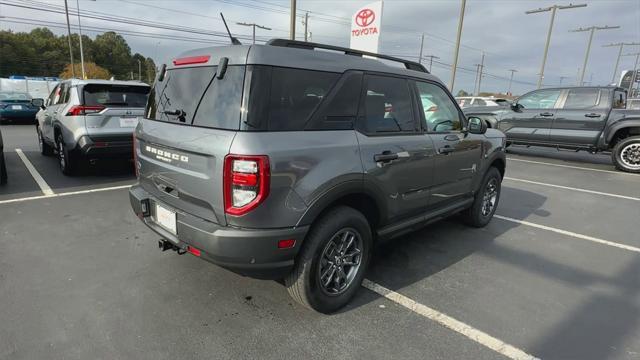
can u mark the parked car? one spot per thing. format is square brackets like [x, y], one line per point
[278, 161]
[633, 104]
[577, 118]
[468, 101]
[16, 106]
[89, 119]
[3, 166]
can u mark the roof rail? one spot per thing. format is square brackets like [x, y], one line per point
[411, 65]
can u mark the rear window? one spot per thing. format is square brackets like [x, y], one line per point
[194, 96]
[115, 95]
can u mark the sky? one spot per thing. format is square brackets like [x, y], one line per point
[509, 38]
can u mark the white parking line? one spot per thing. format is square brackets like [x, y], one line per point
[46, 189]
[572, 167]
[569, 233]
[574, 189]
[65, 194]
[445, 320]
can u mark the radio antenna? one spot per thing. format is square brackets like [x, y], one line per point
[234, 41]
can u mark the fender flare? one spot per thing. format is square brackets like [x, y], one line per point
[622, 124]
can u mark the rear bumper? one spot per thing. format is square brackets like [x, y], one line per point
[249, 252]
[106, 147]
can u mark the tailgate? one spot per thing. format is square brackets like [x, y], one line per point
[183, 166]
[113, 121]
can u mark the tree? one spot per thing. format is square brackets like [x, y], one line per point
[91, 70]
[111, 51]
[462, 93]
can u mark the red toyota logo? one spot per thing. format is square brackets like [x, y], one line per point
[365, 17]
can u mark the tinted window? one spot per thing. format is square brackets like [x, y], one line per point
[582, 98]
[388, 105]
[340, 108]
[176, 97]
[543, 99]
[220, 106]
[440, 113]
[479, 102]
[60, 93]
[115, 95]
[52, 97]
[619, 99]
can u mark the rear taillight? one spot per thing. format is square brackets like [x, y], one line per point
[135, 156]
[246, 182]
[84, 110]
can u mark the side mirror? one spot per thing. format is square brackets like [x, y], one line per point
[516, 107]
[476, 125]
[38, 103]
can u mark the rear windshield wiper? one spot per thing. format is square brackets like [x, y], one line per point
[179, 113]
[116, 103]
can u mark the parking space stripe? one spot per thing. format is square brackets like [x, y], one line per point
[569, 233]
[571, 166]
[54, 195]
[46, 189]
[445, 320]
[574, 189]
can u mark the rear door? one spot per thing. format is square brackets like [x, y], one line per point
[457, 153]
[397, 157]
[113, 110]
[531, 122]
[190, 122]
[582, 116]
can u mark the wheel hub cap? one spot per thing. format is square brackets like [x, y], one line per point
[340, 261]
[489, 197]
[630, 156]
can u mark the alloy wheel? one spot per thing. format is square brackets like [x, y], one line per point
[340, 261]
[489, 197]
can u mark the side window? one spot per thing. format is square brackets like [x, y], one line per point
[62, 93]
[542, 99]
[387, 105]
[53, 98]
[440, 113]
[480, 102]
[339, 110]
[619, 99]
[582, 99]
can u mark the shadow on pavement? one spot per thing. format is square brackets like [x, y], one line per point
[564, 155]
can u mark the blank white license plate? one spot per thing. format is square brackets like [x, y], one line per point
[128, 122]
[166, 218]
[16, 107]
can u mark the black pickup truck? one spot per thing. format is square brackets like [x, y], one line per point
[594, 119]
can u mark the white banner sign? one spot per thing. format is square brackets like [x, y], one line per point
[365, 27]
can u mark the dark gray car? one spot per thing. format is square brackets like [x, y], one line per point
[281, 161]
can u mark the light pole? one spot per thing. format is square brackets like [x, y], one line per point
[66, 11]
[421, 47]
[292, 21]
[591, 30]
[553, 10]
[80, 32]
[620, 45]
[479, 74]
[511, 80]
[454, 67]
[139, 70]
[254, 26]
[431, 57]
[305, 22]
[562, 78]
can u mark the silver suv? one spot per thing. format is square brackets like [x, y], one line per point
[89, 119]
[291, 160]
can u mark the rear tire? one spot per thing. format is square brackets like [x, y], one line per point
[626, 155]
[67, 161]
[3, 170]
[486, 201]
[45, 149]
[336, 251]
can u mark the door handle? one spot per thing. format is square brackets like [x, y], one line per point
[386, 156]
[546, 114]
[452, 137]
[446, 150]
[592, 115]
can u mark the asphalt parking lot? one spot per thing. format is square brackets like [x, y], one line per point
[555, 276]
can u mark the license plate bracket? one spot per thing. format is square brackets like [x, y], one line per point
[128, 122]
[166, 218]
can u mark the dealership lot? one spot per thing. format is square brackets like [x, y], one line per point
[556, 275]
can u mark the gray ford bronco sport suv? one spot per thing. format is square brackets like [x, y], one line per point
[284, 161]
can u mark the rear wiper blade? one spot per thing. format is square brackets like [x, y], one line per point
[178, 112]
[115, 103]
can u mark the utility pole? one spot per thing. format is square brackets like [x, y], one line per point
[254, 26]
[480, 70]
[634, 74]
[431, 57]
[621, 45]
[454, 67]
[421, 47]
[305, 22]
[511, 80]
[292, 21]
[591, 30]
[66, 10]
[553, 10]
[80, 32]
[139, 70]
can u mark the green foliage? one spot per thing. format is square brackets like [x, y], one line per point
[463, 93]
[42, 53]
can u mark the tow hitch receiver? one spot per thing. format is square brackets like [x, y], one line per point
[165, 245]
